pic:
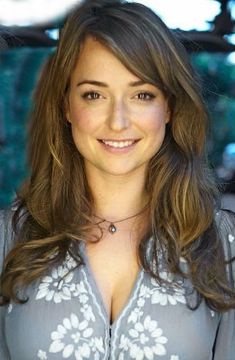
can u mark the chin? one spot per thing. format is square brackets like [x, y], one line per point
[121, 170]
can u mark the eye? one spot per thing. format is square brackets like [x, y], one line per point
[91, 95]
[145, 95]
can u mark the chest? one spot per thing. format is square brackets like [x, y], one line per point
[115, 268]
[68, 317]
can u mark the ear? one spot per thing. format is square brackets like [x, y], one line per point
[168, 115]
[67, 114]
[67, 110]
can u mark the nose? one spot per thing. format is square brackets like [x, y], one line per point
[118, 117]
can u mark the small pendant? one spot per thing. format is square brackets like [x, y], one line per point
[112, 228]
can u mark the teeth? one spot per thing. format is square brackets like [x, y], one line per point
[118, 144]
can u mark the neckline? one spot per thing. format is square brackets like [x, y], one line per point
[98, 295]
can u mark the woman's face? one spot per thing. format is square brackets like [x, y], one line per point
[118, 121]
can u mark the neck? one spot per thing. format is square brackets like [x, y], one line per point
[117, 197]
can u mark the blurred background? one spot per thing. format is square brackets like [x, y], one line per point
[29, 30]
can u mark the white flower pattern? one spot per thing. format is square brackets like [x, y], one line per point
[168, 293]
[231, 238]
[10, 307]
[42, 355]
[146, 340]
[59, 286]
[73, 337]
[212, 313]
[79, 329]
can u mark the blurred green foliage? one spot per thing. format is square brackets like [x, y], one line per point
[19, 69]
[218, 83]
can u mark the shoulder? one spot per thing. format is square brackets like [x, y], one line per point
[6, 233]
[225, 223]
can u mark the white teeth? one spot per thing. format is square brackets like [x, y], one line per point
[118, 144]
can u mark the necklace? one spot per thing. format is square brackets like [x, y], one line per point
[112, 228]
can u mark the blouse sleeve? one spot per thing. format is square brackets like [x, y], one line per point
[225, 340]
[6, 237]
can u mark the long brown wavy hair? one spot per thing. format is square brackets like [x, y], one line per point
[54, 206]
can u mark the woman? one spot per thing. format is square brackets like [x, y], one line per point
[118, 249]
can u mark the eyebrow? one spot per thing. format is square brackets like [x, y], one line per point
[102, 84]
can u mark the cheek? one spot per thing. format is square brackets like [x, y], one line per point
[81, 121]
[155, 121]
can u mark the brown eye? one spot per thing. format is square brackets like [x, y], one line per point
[146, 96]
[91, 95]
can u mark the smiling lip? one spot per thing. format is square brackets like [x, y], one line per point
[116, 149]
[117, 140]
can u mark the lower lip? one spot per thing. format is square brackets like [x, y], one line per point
[116, 150]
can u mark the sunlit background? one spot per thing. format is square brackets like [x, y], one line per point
[183, 14]
[20, 65]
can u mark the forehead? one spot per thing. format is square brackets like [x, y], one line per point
[95, 59]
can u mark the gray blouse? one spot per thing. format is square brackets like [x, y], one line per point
[65, 317]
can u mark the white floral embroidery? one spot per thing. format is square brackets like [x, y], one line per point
[87, 312]
[9, 309]
[231, 238]
[141, 302]
[42, 355]
[135, 315]
[167, 293]
[212, 313]
[145, 340]
[59, 286]
[74, 337]
[145, 292]
[121, 356]
[171, 293]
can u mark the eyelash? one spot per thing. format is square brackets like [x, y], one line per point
[147, 94]
[89, 95]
